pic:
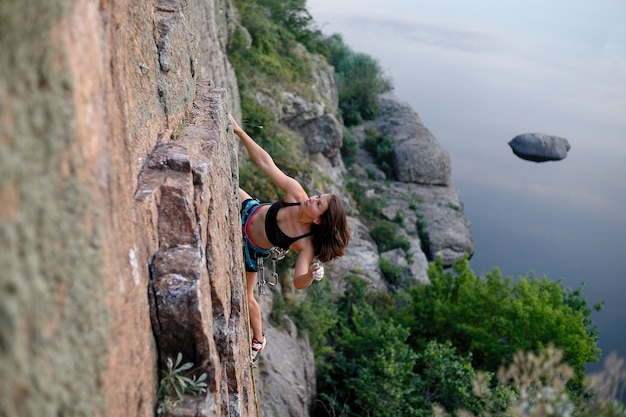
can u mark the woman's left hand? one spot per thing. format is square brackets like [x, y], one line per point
[317, 272]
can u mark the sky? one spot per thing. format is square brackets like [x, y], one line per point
[479, 73]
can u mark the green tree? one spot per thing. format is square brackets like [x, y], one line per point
[448, 380]
[492, 318]
[380, 147]
[372, 366]
[360, 80]
[373, 370]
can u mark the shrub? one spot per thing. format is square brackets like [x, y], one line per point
[493, 318]
[387, 236]
[393, 273]
[175, 383]
[360, 80]
[381, 149]
[349, 147]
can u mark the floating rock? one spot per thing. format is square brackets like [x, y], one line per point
[539, 147]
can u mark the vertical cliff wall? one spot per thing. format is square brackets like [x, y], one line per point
[107, 169]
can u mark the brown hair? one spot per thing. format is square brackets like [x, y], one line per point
[332, 234]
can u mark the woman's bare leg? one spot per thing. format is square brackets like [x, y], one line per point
[256, 323]
[243, 196]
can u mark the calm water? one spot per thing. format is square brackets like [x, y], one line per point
[480, 73]
[521, 234]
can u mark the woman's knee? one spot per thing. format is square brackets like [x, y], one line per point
[243, 195]
[252, 301]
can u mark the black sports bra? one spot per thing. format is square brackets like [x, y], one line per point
[273, 232]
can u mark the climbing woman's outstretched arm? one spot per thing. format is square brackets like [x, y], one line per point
[264, 161]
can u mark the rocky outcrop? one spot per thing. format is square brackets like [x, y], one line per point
[538, 147]
[361, 259]
[444, 230]
[432, 215]
[320, 130]
[188, 191]
[417, 156]
[87, 92]
[285, 377]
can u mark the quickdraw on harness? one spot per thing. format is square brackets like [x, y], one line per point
[275, 255]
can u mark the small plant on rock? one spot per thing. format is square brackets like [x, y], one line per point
[175, 384]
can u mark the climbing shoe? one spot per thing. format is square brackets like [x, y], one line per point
[257, 347]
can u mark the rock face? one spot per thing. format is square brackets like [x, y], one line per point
[539, 147]
[417, 156]
[430, 207]
[361, 258]
[285, 378]
[188, 190]
[91, 93]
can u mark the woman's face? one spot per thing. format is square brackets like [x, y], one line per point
[316, 205]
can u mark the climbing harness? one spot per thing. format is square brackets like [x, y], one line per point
[275, 255]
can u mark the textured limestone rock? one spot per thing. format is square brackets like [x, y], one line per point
[434, 213]
[413, 271]
[417, 156]
[539, 147]
[87, 90]
[361, 258]
[188, 189]
[285, 377]
[214, 22]
[319, 129]
[444, 230]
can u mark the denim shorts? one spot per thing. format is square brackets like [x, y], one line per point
[250, 251]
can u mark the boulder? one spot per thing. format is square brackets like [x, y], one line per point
[444, 230]
[435, 214]
[361, 258]
[321, 132]
[539, 147]
[417, 156]
[414, 269]
[285, 378]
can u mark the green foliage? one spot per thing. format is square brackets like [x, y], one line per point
[387, 236]
[393, 273]
[175, 384]
[384, 357]
[315, 314]
[360, 80]
[376, 372]
[272, 55]
[349, 147]
[369, 353]
[493, 318]
[380, 147]
[371, 207]
[449, 381]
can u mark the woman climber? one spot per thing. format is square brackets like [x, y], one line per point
[318, 225]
